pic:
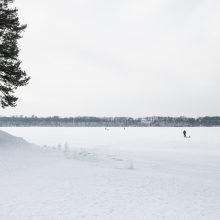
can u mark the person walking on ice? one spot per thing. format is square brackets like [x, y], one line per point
[184, 134]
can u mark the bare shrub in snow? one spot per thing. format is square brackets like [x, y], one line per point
[59, 147]
[130, 165]
[66, 147]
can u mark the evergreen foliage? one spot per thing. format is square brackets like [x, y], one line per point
[11, 74]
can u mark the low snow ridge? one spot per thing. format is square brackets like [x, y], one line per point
[7, 139]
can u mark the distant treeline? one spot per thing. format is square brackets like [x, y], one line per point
[56, 121]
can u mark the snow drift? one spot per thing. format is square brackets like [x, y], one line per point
[7, 139]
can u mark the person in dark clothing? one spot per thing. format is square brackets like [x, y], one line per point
[184, 134]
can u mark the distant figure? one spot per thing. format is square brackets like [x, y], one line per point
[184, 134]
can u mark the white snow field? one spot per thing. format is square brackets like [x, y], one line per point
[114, 174]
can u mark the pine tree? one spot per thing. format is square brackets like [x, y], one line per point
[11, 74]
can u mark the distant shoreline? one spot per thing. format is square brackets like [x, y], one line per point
[85, 121]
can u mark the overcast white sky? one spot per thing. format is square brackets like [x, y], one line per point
[120, 58]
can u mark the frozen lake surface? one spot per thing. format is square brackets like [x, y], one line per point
[117, 137]
[94, 173]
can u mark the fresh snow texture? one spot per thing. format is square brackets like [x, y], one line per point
[110, 174]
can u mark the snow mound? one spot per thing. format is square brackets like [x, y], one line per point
[8, 139]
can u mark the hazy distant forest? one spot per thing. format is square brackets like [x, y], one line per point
[56, 121]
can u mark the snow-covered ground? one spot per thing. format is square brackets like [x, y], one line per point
[114, 174]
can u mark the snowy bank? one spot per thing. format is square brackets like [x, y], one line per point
[8, 139]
